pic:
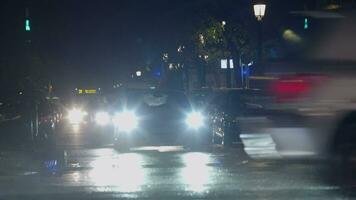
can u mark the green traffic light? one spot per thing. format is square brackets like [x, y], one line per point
[306, 24]
[27, 25]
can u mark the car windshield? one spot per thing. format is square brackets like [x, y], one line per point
[154, 98]
[177, 99]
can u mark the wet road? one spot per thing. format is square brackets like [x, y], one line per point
[76, 171]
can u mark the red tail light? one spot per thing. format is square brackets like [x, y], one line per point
[294, 88]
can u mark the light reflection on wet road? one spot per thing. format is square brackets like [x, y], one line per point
[224, 173]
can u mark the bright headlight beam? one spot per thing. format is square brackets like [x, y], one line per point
[126, 121]
[75, 116]
[195, 120]
[102, 118]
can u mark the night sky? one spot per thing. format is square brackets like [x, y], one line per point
[95, 42]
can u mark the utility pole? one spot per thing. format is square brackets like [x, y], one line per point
[28, 43]
[228, 72]
[30, 83]
[27, 20]
[230, 61]
[27, 26]
[202, 74]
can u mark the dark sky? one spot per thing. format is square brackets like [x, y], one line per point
[83, 41]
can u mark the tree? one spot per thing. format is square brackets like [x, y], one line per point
[210, 43]
[240, 42]
[215, 40]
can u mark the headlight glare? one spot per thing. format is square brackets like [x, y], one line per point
[76, 116]
[102, 118]
[195, 120]
[126, 121]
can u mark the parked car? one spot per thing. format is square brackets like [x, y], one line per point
[27, 116]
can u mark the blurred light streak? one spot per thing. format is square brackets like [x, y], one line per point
[76, 177]
[123, 173]
[196, 175]
[291, 36]
[76, 128]
[159, 148]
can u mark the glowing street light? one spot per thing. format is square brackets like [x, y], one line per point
[138, 73]
[259, 10]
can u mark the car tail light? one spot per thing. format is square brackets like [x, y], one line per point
[293, 88]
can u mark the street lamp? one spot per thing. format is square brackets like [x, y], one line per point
[259, 10]
[138, 73]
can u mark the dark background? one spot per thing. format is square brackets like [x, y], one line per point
[91, 43]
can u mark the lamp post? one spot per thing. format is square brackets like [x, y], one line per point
[259, 11]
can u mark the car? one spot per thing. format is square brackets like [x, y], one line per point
[28, 117]
[313, 112]
[90, 114]
[311, 116]
[159, 117]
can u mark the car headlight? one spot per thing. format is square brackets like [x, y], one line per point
[76, 116]
[102, 118]
[126, 121]
[195, 120]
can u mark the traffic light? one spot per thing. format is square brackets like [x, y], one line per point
[27, 25]
[306, 23]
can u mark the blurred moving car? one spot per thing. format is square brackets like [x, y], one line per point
[314, 110]
[159, 117]
[311, 115]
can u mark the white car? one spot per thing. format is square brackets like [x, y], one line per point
[311, 115]
[314, 107]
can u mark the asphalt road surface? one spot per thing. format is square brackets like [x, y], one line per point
[77, 170]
